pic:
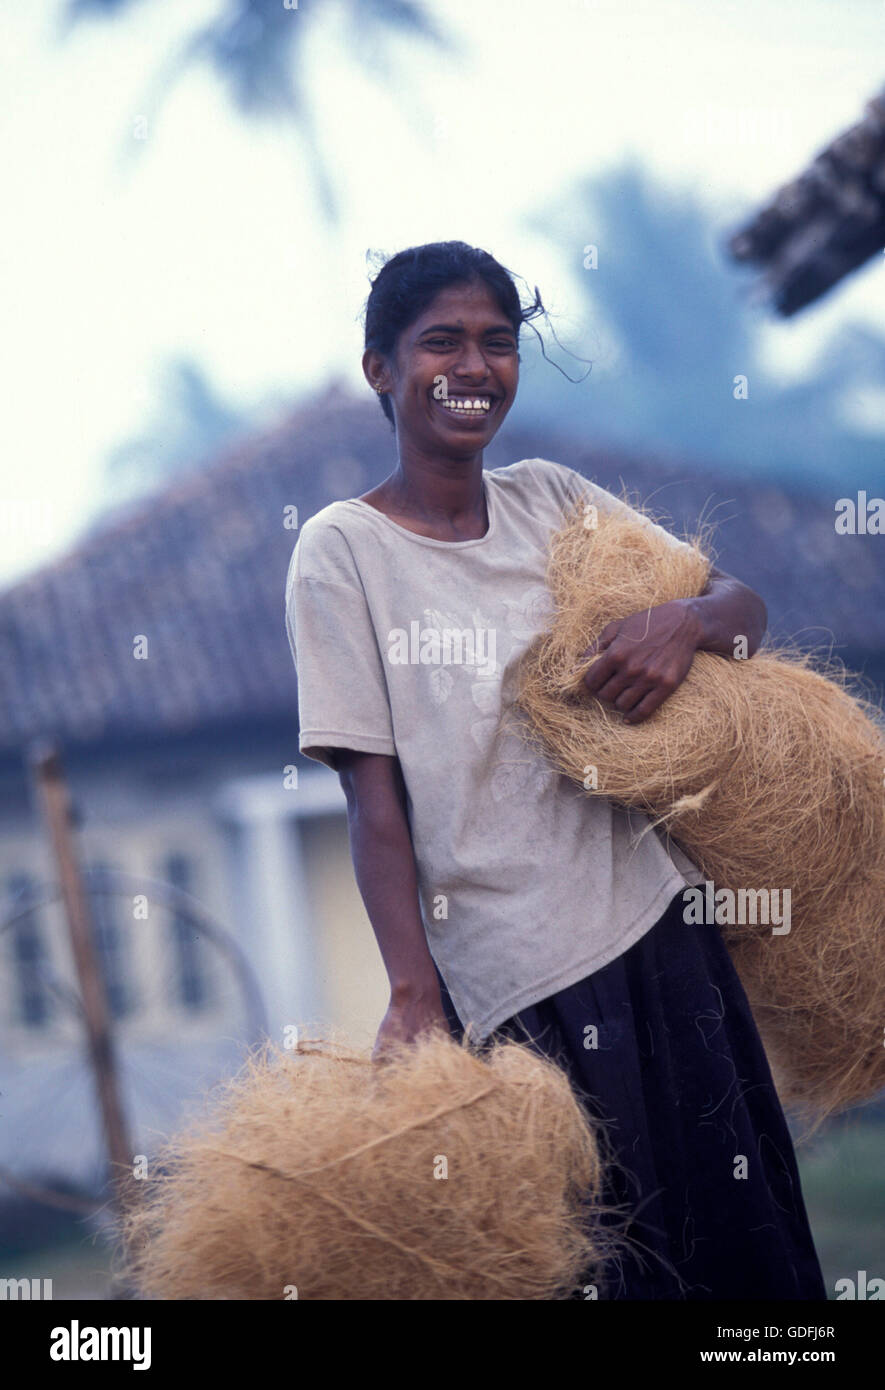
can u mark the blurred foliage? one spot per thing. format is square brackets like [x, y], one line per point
[674, 325]
[257, 49]
[191, 424]
[677, 332]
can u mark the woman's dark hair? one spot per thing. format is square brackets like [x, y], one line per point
[407, 283]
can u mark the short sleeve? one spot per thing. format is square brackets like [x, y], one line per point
[571, 485]
[342, 690]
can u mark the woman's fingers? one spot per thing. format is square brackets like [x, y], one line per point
[647, 706]
[603, 669]
[634, 693]
[618, 670]
[629, 700]
[639, 663]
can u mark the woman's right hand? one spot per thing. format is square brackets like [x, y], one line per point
[410, 1013]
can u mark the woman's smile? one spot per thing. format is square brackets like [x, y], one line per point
[472, 411]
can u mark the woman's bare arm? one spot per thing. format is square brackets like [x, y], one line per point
[384, 864]
[729, 609]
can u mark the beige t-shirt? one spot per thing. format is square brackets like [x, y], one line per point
[408, 645]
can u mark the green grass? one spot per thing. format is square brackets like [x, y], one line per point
[843, 1180]
[79, 1269]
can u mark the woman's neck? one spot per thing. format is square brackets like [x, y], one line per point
[450, 491]
[445, 500]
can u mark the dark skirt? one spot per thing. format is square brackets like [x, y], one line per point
[681, 1083]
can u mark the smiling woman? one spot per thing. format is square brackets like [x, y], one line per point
[466, 369]
[442, 352]
[504, 903]
[445, 277]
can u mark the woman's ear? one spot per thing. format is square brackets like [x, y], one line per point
[375, 369]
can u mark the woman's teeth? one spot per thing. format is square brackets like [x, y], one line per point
[464, 404]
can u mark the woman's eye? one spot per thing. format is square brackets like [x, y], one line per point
[495, 344]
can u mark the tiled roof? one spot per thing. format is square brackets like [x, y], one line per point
[199, 569]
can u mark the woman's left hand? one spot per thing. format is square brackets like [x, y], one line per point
[644, 658]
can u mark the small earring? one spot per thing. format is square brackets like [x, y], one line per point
[380, 390]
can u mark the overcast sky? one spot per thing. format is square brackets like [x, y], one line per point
[204, 237]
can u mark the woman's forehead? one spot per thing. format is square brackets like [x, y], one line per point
[462, 306]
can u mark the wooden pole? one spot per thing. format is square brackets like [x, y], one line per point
[56, 806]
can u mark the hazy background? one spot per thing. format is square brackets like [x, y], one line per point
[194, 191]
[186, 225]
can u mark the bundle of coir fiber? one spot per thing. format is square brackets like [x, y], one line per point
[768, 772]
[320, 1174]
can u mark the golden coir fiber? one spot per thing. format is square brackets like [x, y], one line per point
[768, 772]
[316, 1174]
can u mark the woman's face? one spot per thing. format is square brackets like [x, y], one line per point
[462, 349]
